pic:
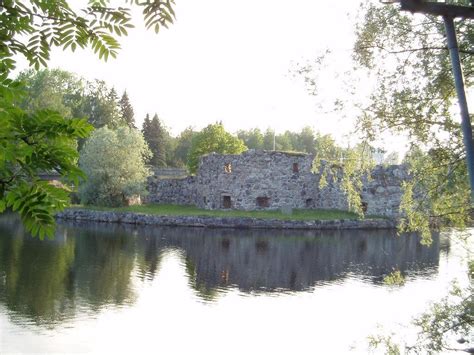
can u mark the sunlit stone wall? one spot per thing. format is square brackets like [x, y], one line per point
[329, 194]
[383, 191]
[256, 179]
[260, 179]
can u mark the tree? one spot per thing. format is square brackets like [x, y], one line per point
[272, 141]
[269, 139]
[73, 96]
[326, 149]
[156, 136]
[303, 141]
[405, 61]
[183, 146]
[415, 96]
[53, 89]
[31, 144]
[283, 142]
[306, 141]
[126, 110]
[253, 138]
[32, 27]
[100, 106]
[114, 162]
[170, 148]
[43, 140]
[213, 138]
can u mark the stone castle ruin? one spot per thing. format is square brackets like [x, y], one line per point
[260, 180]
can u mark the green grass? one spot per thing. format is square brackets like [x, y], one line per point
[177, 210]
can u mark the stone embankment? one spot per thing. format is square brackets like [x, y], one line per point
[221, 222]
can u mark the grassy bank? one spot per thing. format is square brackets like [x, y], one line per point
[177, 210]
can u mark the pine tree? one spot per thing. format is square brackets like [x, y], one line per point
[155, 135]
[113, 104]
[146, 125]
[126, 110]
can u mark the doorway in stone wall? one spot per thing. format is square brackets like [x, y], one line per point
[226, 202]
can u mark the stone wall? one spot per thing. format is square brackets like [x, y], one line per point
[276, 180]
[382, 192]
[180, 191]
[170, 173]
[76, 214]
[256, 179]
[330, 195]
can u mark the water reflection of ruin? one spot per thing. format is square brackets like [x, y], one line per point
[280, 260]
[267, 261]
[89, 266]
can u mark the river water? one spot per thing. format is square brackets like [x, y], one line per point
[103, 288]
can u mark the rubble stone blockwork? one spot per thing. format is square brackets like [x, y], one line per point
[383, 192]
[260, 179]
[176, 191]
[255, 180]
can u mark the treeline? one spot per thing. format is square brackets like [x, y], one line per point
[177, 151]
[184, 150]
[73, 96]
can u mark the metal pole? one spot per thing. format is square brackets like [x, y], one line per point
[459, 82]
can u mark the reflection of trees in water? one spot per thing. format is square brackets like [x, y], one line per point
[103, 266]
[149, 253]
[35, 276]
[198, 284]
[91, 264]
[46, 280]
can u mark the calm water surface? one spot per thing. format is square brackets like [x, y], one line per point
[108, 288]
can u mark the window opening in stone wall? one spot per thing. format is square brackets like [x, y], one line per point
[228, 168]
[263, 201]
[309, 202]
[226, 202]
[363, 205]
[296, 168]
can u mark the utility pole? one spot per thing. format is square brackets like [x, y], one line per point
[449, 12]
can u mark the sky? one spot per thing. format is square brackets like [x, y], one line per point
[231, 61]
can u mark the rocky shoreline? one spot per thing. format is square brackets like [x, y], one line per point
[221, 222]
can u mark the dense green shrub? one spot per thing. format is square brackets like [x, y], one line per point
[114, 162]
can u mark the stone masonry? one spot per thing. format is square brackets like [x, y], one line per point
[258, 179]
[177, 191]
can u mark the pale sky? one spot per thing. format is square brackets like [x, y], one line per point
[230, 61]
